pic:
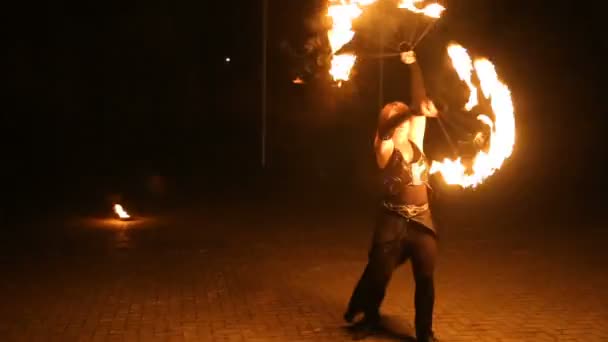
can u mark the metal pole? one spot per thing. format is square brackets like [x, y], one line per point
[426, 31]
[264, 78]
[447, 136]
[381, 76]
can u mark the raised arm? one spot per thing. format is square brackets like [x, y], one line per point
[421, 106]
[417, 88]
[411, 119]
[392, 116]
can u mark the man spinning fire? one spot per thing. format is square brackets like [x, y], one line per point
[405, 229]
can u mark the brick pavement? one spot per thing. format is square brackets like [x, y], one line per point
[266, 275]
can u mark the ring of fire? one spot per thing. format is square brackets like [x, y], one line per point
[502, 136]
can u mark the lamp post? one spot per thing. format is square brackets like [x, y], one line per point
[264, 80]
[381, 71]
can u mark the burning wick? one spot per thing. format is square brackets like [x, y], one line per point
[122, 214]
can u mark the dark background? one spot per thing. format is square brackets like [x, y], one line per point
[134, 100]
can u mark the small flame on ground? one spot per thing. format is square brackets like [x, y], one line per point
[502, 136]
[298, 80]
[119, 210]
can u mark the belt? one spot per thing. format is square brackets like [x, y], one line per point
[407, 210]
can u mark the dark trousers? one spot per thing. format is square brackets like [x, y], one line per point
[395, 241]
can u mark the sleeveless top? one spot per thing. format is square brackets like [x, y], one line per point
[405, 187]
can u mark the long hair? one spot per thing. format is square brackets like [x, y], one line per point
[391, 109]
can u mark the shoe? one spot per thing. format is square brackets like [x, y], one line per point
[349, 316]
[372, 319]
[429, 338]
[367, 327]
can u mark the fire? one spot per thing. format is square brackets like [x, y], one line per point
[464, 68]
[342, 14]
[298, 80]
[502, 136]
[122, 214]
[433, 10]
[341, 66]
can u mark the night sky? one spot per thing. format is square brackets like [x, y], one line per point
[103, 95]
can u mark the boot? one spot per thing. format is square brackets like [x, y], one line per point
[427, 338]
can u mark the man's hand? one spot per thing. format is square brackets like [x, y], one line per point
[428, 109]
[408, 57]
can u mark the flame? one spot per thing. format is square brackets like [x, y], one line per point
[502, 136]
[433, 10]
[341, 66]
[298, 80]
[122, 214]
[464, 68]
[342, 14]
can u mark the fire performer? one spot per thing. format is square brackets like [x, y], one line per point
[405, 228]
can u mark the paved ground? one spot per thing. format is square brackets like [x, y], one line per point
[262, 273]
